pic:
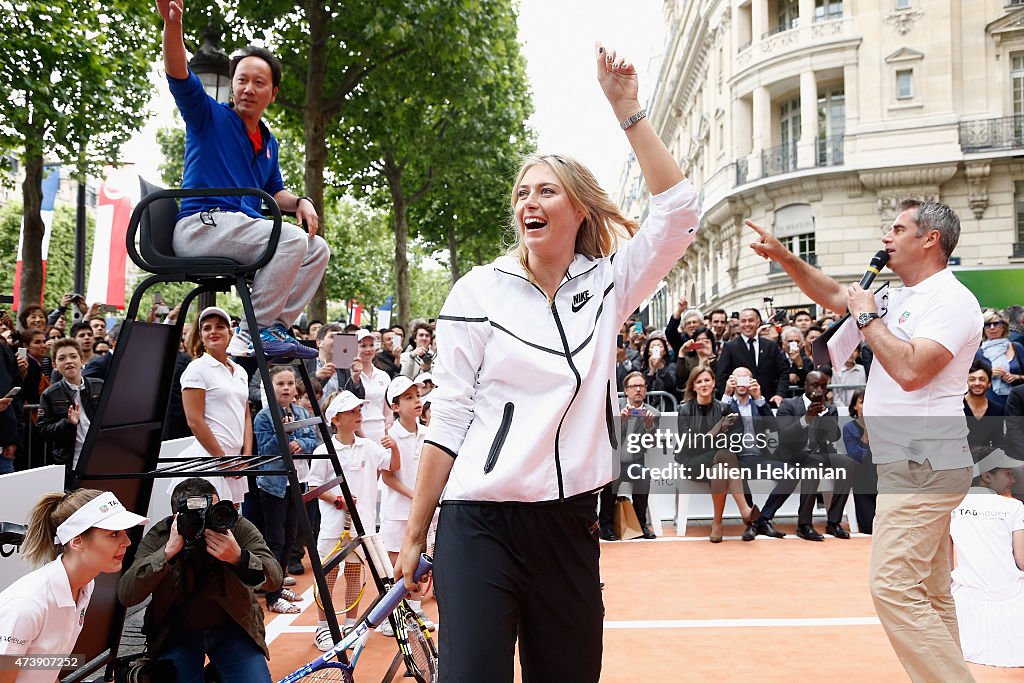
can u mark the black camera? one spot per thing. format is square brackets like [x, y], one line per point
[142, 669]
[11, 534]
[428, 357]
[196, 514]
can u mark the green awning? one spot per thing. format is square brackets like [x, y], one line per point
[994, 287]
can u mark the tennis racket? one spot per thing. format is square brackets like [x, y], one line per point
[415, 643]
[356, 639]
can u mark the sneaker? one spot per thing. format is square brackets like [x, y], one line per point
[288, 581]
[322, 639]
[427, 621]
[282, 606]
[275, 345]
[290, 596]
[386, 629]
[296, 568]
[240, 345]
[299, 350]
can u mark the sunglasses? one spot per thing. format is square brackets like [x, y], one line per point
[995, 323]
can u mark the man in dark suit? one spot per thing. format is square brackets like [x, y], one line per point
[808, 428]
[763, 356]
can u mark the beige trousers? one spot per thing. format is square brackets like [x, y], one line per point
[910, 567]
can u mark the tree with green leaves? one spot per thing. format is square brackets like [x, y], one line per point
[77, 78]
[442, 120]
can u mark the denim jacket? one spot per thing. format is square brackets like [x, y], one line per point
[266, 444]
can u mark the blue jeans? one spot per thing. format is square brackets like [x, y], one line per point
[6, 465]
[231, 651]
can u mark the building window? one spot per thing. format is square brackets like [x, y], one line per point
[1017, 83]
[802, 246]
[831, 126]
[905, 84]
[789, 15]
[1019, 201]
[827, 9]
[902, 4]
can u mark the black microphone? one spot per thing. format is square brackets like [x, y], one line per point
[876, 264]
[819, 349]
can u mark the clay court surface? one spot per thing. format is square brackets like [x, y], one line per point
[683, 609]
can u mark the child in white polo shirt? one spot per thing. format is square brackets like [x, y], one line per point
[404, 399]
[361, 460]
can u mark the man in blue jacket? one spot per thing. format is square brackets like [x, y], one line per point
[229, 145]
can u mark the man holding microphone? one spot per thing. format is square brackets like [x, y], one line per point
[924, 340]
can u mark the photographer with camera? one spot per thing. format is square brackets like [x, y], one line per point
[202, 566]
[77, 313]
[421, 357]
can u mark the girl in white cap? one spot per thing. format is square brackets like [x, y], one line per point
[75, 536]
[987, 530]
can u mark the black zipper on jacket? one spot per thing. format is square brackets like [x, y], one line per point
[575, 393]
[499, 438]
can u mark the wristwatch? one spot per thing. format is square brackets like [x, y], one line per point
[864, 319]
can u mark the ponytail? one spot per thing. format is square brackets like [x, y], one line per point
[52, 510]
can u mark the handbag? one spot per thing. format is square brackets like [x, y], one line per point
[627, 525]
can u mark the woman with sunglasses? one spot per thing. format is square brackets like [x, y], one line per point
[1005, 357]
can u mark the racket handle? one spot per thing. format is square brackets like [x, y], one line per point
[396, 593]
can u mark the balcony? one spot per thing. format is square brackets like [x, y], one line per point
[774, 44]
[829, 150]
[774, 268]
[992, 134]
[781, 159]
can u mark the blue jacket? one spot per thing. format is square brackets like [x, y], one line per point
[218, 152]
[266, 444]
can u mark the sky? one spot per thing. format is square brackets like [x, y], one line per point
[571, 115]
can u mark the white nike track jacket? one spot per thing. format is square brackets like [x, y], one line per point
[526, 397]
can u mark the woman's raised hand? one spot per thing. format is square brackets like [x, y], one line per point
[618, 80]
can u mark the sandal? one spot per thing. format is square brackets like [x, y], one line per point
[290, 596]
[282, 606]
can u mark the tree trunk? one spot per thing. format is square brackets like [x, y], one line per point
[453, 251]
[314, 124]
[31, 287]
[400, 211]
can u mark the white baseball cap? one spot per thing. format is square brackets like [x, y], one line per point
[399, 386]
[103, 512]
[424, 378]
[342, 403]
[362, 334]
[214, 310]
[995, 460]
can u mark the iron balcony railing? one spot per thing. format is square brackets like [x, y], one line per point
[742, 169]
[991, 134]
[781, 159]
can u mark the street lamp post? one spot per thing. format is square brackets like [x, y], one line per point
[211, 64]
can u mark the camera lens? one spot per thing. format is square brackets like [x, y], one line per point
[222, 516]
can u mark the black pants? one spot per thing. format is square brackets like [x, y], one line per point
[281, 526]
[529, 572]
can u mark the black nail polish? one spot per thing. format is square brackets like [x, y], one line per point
[600, 50]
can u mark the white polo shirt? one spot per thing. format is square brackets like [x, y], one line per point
[982, 528]
[360, 464]
[38, 615]
[929, 423]
[394, 505]
[375, 385]
[227, 395]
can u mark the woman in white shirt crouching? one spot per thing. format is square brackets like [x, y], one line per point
[988, 582]
[75, 536]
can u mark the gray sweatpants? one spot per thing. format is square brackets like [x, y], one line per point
[283, 287]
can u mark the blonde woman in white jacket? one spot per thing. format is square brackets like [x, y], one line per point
[522, 433]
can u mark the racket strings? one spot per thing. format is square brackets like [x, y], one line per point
[420, 649]
[354, 587]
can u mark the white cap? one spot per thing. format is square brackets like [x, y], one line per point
[994, 460]
[399, 386]
[362, 334]
[214, 310]
[424, 378]
[342, 403]
[103, 512]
